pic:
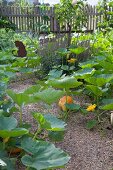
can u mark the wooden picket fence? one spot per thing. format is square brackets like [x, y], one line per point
[38, 20]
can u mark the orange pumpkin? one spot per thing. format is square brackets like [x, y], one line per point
[63, 101]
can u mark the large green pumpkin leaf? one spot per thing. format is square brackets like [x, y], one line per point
[108, 104]
[13, 133]
[107, 65]
[54, 73]
[33, 89]
[7, 123]
[84, 73]
[97, 91]
[100, 58]
[49, 95]
[62, 51]
[19, 98]
[8, 127]
[88, 64]
[49, 122]
[65, 82]
[78, 50]
[43, 155]
[100, 80]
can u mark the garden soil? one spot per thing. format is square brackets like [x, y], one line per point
[89, 149]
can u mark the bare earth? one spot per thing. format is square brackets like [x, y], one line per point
[89, 150]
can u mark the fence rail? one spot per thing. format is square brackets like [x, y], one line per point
[40, 20]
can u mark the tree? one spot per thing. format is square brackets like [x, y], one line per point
[103, 7]
[72, 14]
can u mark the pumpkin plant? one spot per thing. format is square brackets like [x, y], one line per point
[66, 83]
[68, 62]
[53, 126]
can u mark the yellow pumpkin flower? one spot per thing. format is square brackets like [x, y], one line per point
[91, 107]
[72, 60]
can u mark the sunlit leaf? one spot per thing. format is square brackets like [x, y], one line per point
[95, 90]
[100, 80]
[13, 133]
[49, 95]
[49, 122]
[78, 50]
[19, 98]
[32, 89]
[88, 64]
[43, 155]
[65, 82]
[8, 127]
[84, 73]
[107, 104]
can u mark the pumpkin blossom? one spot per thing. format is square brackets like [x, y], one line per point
[91, 107]
[63, 101]
[72, 60]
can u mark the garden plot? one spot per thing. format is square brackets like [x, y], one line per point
[89, 149]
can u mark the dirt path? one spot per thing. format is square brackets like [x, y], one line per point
[89, 150]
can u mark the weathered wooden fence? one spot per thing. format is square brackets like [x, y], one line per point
[40, 20]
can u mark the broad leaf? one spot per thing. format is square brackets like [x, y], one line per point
[78, 50]
[65, 82]
[84, 73]
[43, 155]
[55, 73]
[95, 90]
[108, 104]
[7, 123]
[13, 133]
[49, 95]
[8, 127]
[19, 98]
[100, 80]
[62, 51]
[33, 89]
[107, 65]
[88, 64]
[49, 122]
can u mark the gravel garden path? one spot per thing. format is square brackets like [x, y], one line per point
[89, 150]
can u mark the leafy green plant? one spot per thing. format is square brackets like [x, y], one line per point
[69, 62]
[102, 7]
[71, 15]
[43, 155]
[46, 122]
